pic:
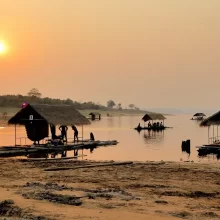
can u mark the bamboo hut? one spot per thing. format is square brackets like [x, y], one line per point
[154, 126]
[95, 115]
[214, 121]
[37, 118]
[213, 146]
[153, 117]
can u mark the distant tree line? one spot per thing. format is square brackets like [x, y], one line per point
[16, 101]
[34, 96]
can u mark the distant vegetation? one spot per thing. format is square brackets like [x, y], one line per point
[34, 96]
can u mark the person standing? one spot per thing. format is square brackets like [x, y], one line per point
[75, 133]
[63, 129]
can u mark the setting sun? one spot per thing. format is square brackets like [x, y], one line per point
[2, 48]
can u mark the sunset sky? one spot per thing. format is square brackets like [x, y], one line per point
[153, 53]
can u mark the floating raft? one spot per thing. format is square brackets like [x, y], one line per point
[11, 151]
[151, 128]
[209, 149]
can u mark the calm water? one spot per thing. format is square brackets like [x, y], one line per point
[132, 145]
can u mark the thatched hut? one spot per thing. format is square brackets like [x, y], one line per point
[198, 116]
[95, 115]
[213, 120]
[153, 117]
[37, 118]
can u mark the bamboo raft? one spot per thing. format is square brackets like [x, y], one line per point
[209, 149]
[151, 128]
[12, 151]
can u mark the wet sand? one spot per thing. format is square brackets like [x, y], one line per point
[151, 190]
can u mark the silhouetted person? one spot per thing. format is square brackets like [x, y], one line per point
[63, 129]
[161, 124]
[92, 138]
[75, 133]
[149, 124]
[158, 124]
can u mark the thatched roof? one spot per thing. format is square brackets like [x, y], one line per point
[212, 120]
[94, 113]
[199, 114]
[53, 114]
[153, 116]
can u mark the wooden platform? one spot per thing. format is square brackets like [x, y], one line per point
[209, 149]
[11, 151]
[151, 128]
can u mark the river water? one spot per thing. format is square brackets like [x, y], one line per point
[143, 146]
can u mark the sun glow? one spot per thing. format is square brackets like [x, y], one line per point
[2, 48]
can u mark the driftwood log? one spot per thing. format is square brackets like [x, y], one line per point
[88, 166]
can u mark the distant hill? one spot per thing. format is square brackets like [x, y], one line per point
[190, 111]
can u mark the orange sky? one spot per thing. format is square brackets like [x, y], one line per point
[153, 53]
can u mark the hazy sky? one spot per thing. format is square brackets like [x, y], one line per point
[153, 53]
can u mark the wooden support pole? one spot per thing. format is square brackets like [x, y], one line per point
[82, 133]
[208, 133]
[15, 135]
[213, 134]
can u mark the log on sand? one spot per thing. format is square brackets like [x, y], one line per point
[88, 166]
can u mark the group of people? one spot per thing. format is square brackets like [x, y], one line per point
[63, 129]
[155, 124]
[63, 136]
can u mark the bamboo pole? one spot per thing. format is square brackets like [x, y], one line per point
[15, 135]
[82, 133]
[208, 133]
[88, 166]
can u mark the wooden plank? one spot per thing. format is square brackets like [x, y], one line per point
[22, 151]
[88, 166]
[51, 159]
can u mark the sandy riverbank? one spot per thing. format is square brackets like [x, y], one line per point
[162, 190]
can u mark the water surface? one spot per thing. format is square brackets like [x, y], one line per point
[143, 146]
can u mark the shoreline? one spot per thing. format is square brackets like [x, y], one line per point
[147, 190]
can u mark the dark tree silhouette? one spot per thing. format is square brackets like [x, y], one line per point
[34, 92]
[110, 104]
